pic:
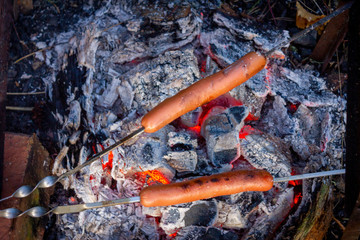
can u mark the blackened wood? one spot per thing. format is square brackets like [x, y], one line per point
[330, 40]
[5, 29]
[352, 231]
[352, 177]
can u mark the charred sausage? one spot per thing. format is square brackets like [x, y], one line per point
[206, 187]
[203, 91]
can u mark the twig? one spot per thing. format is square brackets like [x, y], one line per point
[56, 7]
[253, 9]
[318, 7]
[17, 34]
[272, 14]
[263, 14]
[339, 223]
[24, 93]
[25, 109]
[285, 19]
[31, 54]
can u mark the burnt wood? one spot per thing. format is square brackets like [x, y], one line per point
[5, 29]
[352, 178]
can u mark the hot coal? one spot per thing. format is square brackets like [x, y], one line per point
[199, 213]
[221, 132]
[191, 119]
[181, 154]
[235, 211]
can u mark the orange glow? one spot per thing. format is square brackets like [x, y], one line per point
[251, 117]
[246, 130]
[295, 182]
[109, 164]
[196, 129]
[173, 234]
[267, 77]
[297, 198]
[224, 101]
[297, 189]
[152, 176]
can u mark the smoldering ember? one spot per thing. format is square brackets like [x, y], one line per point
[109, 68]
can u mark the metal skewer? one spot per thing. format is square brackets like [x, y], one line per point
[38, 211]
[50, 181]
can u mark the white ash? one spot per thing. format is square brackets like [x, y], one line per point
[129, 223]
[198, 213]
[134, 48]
[249, 98]
[147, 154]
[225, 46]
[168, 74]
[126, 94]
[109, 96]
[57, 168]
[264, 37]
[182, 161]
[74, 137]
[236, 213]
[181, 154]
[301, 86]
[74, 119]
[275, 212]
[267, 152]
[152, 211]
[192, 118]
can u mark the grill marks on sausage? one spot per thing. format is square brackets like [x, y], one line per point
[214, 180]
[206, 187]
[199, 182]
[250, 176]
[203, 91]
[185, 186]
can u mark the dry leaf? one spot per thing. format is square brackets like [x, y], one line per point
[305, 19]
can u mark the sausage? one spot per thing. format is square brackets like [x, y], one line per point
[203, 91]
[206, 187]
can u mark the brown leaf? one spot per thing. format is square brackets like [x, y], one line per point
[305, 18]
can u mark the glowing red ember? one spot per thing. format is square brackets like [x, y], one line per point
[224, 101]
[152, 177]
[246, 130]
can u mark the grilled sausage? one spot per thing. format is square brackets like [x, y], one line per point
[203, 91]
[206, 187]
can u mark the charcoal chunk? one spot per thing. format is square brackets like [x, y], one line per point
[191, 119]
[221, 133]
[181, 154]
[202, 214]
[199, 213]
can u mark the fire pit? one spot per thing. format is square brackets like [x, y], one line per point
[107, 69]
